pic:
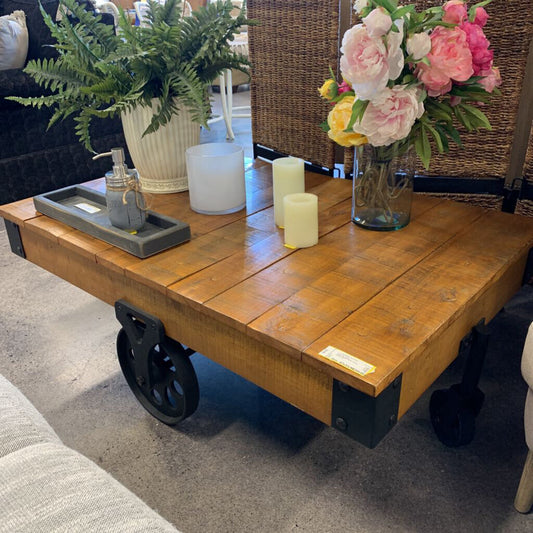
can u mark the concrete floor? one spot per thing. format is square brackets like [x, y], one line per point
[246, 461]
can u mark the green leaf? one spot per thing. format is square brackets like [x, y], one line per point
[324, 126]
[438, 110]
[423, 147]
[453, 133]
[443, 138]
[462, 118]
[389, 5]
[408, 78]
[340, 96]
[436, 137]
[401, 11]
[477, 117]
[358, 110]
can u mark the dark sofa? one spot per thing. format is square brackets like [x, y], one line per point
[32, 159]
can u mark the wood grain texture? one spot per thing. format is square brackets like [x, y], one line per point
[401, 301]
[467, 278]
[19, 212]
[297, 383]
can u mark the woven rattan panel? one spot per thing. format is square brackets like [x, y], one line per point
[525, 207]
[486, 153]
[291, 51]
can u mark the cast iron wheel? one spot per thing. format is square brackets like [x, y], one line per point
[453, 422]
[170, 392]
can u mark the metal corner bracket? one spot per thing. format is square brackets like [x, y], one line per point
[365, 418]
[13, 234]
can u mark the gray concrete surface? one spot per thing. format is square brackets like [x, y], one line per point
[246, 461]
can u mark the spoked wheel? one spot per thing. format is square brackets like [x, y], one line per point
[164, 382]
[453, 422]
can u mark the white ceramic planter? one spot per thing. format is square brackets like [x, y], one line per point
[159, 157]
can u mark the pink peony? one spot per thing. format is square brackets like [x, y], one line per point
[450, 60]
[390, 116]
[394, 49]
[377, 22]
[492, 79]
[364, 62]
[454, 12]
[418, 45]
[343, 87]
[479, 47]
[481, 17]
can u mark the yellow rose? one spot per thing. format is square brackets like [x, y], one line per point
[328, 90]
[338, 119]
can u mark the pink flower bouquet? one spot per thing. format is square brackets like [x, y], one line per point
[409, 77]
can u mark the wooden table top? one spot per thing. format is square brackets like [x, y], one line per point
[391, 299]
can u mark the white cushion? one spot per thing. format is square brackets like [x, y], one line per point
[21, 425]
[48, 488]
[13, 40]
[527, 358]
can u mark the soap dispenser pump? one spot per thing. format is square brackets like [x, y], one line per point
[125, 201]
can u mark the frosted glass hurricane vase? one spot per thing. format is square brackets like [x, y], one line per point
[216, 178]
[383, 186]
[159, 157]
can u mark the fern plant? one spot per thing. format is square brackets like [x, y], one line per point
[99, 73]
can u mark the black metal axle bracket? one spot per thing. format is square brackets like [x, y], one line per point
[157, 368]
[13, 234]
[365, 418]
[453, 411]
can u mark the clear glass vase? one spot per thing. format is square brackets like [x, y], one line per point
[383, 186]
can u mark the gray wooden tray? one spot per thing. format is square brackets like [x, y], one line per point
[86, 210]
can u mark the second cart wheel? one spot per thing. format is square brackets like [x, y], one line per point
[167, 387]
[453, 422]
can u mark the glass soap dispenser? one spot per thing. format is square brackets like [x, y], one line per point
[125, 201]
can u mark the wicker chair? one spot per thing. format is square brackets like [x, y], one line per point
[525, 205]
[291, 51]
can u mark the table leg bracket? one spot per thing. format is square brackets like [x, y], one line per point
[157, 368]
[453, 411]
[365, 418]
[13, 234]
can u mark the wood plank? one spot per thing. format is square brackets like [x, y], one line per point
[301, 385]
[269, 292]
[117, 259]
[48, 227]
[167, 267]
[208, 283]
[215, 279]
[425, 367]
[393, 328]
[309, 313]
[19, 212]
[228, 239]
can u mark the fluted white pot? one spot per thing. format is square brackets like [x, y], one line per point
[159, 157]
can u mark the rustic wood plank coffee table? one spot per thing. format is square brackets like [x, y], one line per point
[352, 331]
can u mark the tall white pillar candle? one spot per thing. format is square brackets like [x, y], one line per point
[301, 220]
[288, 178]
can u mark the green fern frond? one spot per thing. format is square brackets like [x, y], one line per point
[36, 101]
[98, 73]
[83, 124]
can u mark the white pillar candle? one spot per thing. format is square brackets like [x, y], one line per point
[287, 178]
[301, 220]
